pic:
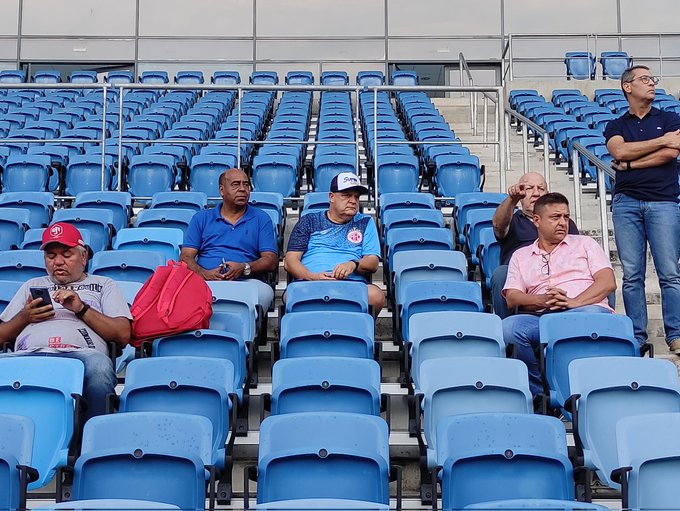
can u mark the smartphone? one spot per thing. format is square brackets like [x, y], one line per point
[41, 292]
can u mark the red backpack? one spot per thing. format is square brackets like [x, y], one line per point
[173, 300]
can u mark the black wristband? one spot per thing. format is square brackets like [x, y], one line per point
[628, 167]
[356, 264]
[82, 311]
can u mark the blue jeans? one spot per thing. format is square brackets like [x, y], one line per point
[100, 378]
[500, 307]
[637, 223]
[521, 330]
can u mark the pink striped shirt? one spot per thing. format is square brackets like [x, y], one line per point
[570, 267]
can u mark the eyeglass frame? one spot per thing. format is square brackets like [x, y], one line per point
[645, 79]
[545, 259]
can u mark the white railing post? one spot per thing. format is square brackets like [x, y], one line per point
[576, 174]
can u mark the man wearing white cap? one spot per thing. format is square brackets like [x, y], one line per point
[83, 313]
[337, 244]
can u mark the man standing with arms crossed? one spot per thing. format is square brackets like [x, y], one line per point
[645, 143]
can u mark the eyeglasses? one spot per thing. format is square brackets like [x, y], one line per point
[545, 269]
[235, 185]
[646, 79]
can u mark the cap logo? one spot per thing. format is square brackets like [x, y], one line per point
[56, 230]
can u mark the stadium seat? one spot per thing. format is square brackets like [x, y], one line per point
[99, 222]
[538, 504]
[26, 173]
[446, 334]
[184, 384]
[334, 78]
[606, 389]
[12, 76]
[189, 77]
[402, 200]
[119, 203]
[126, 265]
[648, 464]
[325, 384]
[16, 449]
[235, 308]
[425, 238]
[614, 63]
[264, 78]
[206, 170]
[369, 78]
[165, 241]
[149, 174]
[177, 199]
[299, 78]
[21, 265]
[323, 455]
[83, 77]
[46, 76]
[398, 218]
[154, 77]
[161, 217]
[33, 238]
[118, 447]
[466, 202]
[567, 338]
[275, 174]
[500, 456]
[457, 173]
[340, 295]
[84, 174]
[580, 65]
[214, 344]
[397, 174]
[404, 78]
[468, 385]
[47, 390]
[40, 205]
[13, 223]
[328, 333]
[226, 78]
[8, 289]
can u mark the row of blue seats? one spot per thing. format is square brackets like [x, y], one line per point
[581, 64]
[366, 78]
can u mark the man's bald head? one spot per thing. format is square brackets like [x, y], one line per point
[534, 187]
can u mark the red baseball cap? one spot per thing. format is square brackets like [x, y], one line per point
[62, 233]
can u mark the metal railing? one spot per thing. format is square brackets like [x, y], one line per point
[496, 94]
[590, 42]
[525, 123]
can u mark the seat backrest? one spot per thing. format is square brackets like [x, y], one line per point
[21, 265]
[164, 240]
[234, 307]
[40, 388]
[337, 334]
[175, 199]
[165, 447]
[611, 388]
[16, 448]
[119, 203]
[326, 384]
[13, 224]
[160, 217]
[98, 221]
[463, 385]
[126, 265]
[446, 334]
[642, 444]
[498, 456]
[39, 204]
[306, 296]
[571, 336]
[323, 455]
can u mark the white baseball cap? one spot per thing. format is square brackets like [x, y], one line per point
[347, 181]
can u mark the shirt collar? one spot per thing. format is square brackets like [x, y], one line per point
[218, 216]
[653, 111]
[535, 250]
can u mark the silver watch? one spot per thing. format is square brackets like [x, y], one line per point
[247, 270]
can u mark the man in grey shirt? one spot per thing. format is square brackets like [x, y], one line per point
[87, 311]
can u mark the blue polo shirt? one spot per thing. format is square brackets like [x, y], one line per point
[651, 184]
[242, 242]
[326, 244]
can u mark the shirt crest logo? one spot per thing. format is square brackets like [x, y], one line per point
[355, 236]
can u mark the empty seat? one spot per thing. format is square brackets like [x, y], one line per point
[16, 449]
[85, 173]
[47, 390]
[614, 63]
[118, 447]
[235, 308]
[456, 174]
[184, 200]
[306, 296]
[154, 77]
[99, 222]
[21, 265]
[149, 174]
[162, 240]
[338, 334]
[40, 205]
[126, 265]
[13, 224]
[119, 203]
[26, 173]
[580, 65]
[160, 217]
[323, 455]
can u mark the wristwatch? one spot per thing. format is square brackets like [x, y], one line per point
[356, 264]
[628, 167]
[247, 270]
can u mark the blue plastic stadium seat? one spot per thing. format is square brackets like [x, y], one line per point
[159, 217]
[149, 174]
[341, 295]
[189, 77]
[98, 221]
[16, 450]
[8, 289]
[466, 202]
[580, 65]
[334, 78]
[21, 265]
[235, 308]
[323, 455]
[43, 389]
[84, 174]
[26, 173]
[226, 78]
[275, 174]
[325, 384]
[162, 240]
[118, 447]
[46, 76]
[614, 63]
[457, 173]
[397, 174]
[404, 78]
[206, 170]
[177, 199]
[496, 456]
[83, 77]
[119, 203]
[469, 385]
[369, 78]
[331, 333]
[264, 78]
[299, 78]
[13, 224]
[130, 265]
[12, 76]
[154, 77]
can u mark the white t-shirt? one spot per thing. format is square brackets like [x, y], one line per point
[65, 332]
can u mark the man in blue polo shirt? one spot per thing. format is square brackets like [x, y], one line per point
[645, 143]
[339, 243]
[233, 240]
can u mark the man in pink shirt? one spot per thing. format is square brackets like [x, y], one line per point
[558, 272]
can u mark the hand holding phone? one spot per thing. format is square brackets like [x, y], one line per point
[43, 293]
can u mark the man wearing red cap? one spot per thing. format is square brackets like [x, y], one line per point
[86, 312]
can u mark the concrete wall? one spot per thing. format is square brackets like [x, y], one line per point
[320, 35]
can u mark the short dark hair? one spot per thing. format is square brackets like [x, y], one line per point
[548, 199]
[629, 74]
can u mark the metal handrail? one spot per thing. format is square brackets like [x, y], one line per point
[528, 123]
[499, 142]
